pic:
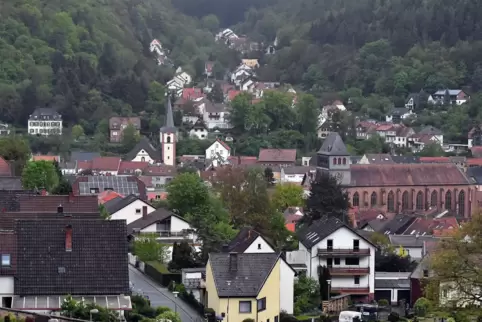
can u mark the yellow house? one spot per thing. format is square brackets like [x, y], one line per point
[244, 286]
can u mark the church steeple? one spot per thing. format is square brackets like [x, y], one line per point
[168, 136]
[334, 158]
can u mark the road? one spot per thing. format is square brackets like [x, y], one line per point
[160, 296]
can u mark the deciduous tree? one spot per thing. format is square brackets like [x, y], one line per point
[287, 195]
[40, 175]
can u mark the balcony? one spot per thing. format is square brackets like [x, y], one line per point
[347, 271]
[361, 289]
[345, 252]
[194, 283]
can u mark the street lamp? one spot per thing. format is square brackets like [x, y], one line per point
[329, 291]
[227, 308]
[93, 311]
[176, 293]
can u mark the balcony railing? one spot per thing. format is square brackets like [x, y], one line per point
[349, 270]
[362, 289]
[194, 283]
[346, 252]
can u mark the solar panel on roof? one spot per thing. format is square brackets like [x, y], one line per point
[118, 184]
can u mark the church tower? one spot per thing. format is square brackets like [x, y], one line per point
[168, 137]
[334, 158]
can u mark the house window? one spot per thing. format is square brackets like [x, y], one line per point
[444, 293]
[5, 259]
[244, 306]
[329, 244]
[337, 261]
[262, 304]
[356, 244]
[276, 319]
[356, 200]
[425, 273]
[138, 211]
[352, 261]
[94, 190]
[356, 280]
[259, 246]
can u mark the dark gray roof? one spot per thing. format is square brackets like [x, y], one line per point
[398, 224]
[121, 184]
[145, 145]
[46, 113]
[96, 265]
[298, 170]
[11, 183]
[475, 173]
[430, 130]
[83, 156]
[10, 199]
[333, 145]
[311, 235]
[400, 111]
[118, 203]
[155, 216]
[355, 159]
[410, 240]
[242, 275]
[169, 126]
[392, 283]
[243, 240]
[405, 159]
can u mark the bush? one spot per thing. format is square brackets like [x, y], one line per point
[383, 302]
[422, 306]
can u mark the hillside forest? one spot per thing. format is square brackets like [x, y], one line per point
[90, 60]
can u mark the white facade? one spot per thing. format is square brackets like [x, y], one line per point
[6, 288]
[44, 127]
[143, 156]
[219, 120]
[200, 133]
[218, 153]
[295, 178]
[343, 241]
[132, 212]
[259, 245]
[168, 148]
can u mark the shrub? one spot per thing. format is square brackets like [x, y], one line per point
[422, 306]
[383, 302]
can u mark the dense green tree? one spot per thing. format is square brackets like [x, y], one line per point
[15, 150]
[432, 150]
[187, 194]
[77, 131]
[130, 137]
[306, 294]
[216, 95]
[287, 195]
[40, 175]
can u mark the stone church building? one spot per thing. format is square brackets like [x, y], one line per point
[396, 188]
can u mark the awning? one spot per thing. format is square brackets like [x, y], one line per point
[54, 302]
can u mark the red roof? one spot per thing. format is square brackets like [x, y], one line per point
[83, 165]
[191, 93]
[106, 163]
[385, 127]
[5, 170]
[434, 159]
[45, 158]
[107, 195]
[242, 160]
[433, 226]
[291, 227]
[208, 66]
[127, 167]
[474, 162]
[277, 155]
[233, 93]
[224, 144]
[476, 151]
[160, 170]
[49, 203]
[226, 87]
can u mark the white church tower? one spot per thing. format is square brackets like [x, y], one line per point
[168, 137]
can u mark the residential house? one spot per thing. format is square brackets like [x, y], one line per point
[474, 137]
[414, 100]
[8, 265]
[130, 168]
[349, 256]
[398, 114]
[218, 152]
[411, 245]
[365, 130]
[118, 124]
[46, 271]
[384, 225]
[168, 227]
[215, 115]
[433, 131]
[242, 160]
[292, 215]
[325, 129]
[45, 121]
[66, 204]
[178, 82]
[247, 85]
[454, 295]
[295, 174]
[199, 130]
[328, 110]
[144, 151]
[241, 73]
[191, 94]
[242, 44]
[124, 185]
[376, 159]
[231, 95]
[160, 175]
[450, 96]
[129, 208]
[395, 134]
[249, 241]
[4, 129]
[393, 287]
[225, 35]
[161, 54]
[277, 157]
[244, 286]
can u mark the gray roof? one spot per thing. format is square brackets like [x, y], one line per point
[83, 156]
[475, 173]
[118, 203]
[120, 184]
[144, 144]
[430, 130]
[169, 126]
[398, 224]
[297, 170]
[379, 158]
[400, 111]
[11, 183]
[423, 265]
[355, 159]
[155, 216]
[333, 145]
[392, 283]
[405, 159]
[47, 112]
[241, 276]
[452, 92]
[410, 240]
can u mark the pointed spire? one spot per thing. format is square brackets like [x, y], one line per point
[169, 126]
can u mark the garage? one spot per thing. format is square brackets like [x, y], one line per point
[403, 295]
[392, 286]
[383, 295]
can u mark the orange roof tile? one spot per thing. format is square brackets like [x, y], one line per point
[291, 227]
[45, 158]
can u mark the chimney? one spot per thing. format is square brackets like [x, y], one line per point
[233, 262]
[225, 248]
[71, 197]
[68, 238]
[60, 209]
[144, 211]
[43, 192]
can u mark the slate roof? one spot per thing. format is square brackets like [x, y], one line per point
[243, 240]
[452, 92]
[398, 224]
[97, 264]
[70, 204]
[144, 144]
[277, 155]
[8, 246]
[10, 199]
[11, 183]
[45, 113]
[247, 279]
[475, 173]
[392, 283]
[116, 204]
[8, 219]
[169, 126]
[410, 240]
[385, 175]
[430, 130]
[379, 158]
[83, 156]
[155, 216]
[333, 145]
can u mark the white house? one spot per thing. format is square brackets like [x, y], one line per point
[294, 174]
[144, 151]
[199, 130]
[130, 208]
[218, 152]
[215, 115]
[179, 81]
[349, 256]
[7, 252]
[327, 110]
[45, 121]
[250, 241]
[225, 35]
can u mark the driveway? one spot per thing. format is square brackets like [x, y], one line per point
[160, 296]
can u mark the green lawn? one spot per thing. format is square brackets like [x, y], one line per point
[162, 268]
